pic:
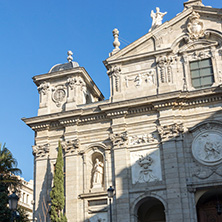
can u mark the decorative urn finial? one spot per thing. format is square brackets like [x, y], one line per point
[69, 58]
[116, 42]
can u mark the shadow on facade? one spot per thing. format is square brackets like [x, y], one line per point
[184, 183]
[42, 212]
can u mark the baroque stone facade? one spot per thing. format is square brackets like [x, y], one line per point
[156, 140]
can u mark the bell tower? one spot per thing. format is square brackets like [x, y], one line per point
[64, 87]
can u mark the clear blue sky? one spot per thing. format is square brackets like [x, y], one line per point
[36, 34]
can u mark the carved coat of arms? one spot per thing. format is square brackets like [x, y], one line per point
[195, 27]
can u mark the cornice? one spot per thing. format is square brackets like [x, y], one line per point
[38, 79]
[179, 99]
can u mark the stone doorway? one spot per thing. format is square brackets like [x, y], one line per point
[209, 207]
[151, 210]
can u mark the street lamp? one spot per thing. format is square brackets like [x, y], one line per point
[110, 192]
[13, 203]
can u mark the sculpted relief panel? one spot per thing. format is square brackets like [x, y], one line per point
[139, 79]
[142, 139]
[145, 166]
[207, 147]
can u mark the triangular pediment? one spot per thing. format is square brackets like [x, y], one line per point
[162, 38]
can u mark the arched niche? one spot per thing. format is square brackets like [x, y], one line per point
[209, 206]
[97, 172]
[95, 168]
[150, 209]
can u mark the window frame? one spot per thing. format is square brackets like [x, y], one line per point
[200, 74]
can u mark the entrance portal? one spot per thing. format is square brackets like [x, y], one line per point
[209, 207]
[151, 210]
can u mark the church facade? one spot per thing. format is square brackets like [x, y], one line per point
[157, 140]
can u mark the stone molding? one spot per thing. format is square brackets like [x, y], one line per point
[179, 99]
[40, 127]
[40, 151]
[115, 113]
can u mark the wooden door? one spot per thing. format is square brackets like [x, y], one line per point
[207, 212]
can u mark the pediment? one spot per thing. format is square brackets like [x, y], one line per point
[146, 43]
[158, 40]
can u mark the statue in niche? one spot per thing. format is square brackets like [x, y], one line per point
[97, 174]
[157, 18]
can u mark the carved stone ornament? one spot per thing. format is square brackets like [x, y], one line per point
[207, 147]
[199, 55]
[70, 146]
[165, 64]
[141, 78]
[146, 166]
[119, 139]
[58, 95]
[115, 73]
[146, 174]
[195, 27]
[71, 82]
[170, 131]
[142, 139]
[206, 172]
[43, 88]
[40, 151]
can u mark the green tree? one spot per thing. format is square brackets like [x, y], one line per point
[8, 170]
[57, 193]
[23, 216]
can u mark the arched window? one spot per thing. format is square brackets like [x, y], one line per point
[151, 209]
[209, 206]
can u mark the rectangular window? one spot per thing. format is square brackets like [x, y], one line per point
[201, 73]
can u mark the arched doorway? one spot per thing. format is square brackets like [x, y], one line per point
[151, 210]
[209, 206]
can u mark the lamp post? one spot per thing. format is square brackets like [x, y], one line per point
[110, 192]
[13, 203]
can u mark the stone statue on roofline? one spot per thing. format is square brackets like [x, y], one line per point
[157, 18]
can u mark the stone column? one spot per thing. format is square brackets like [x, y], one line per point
[174, 171]
[42, 183]
[71, 148]
[119, 139]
